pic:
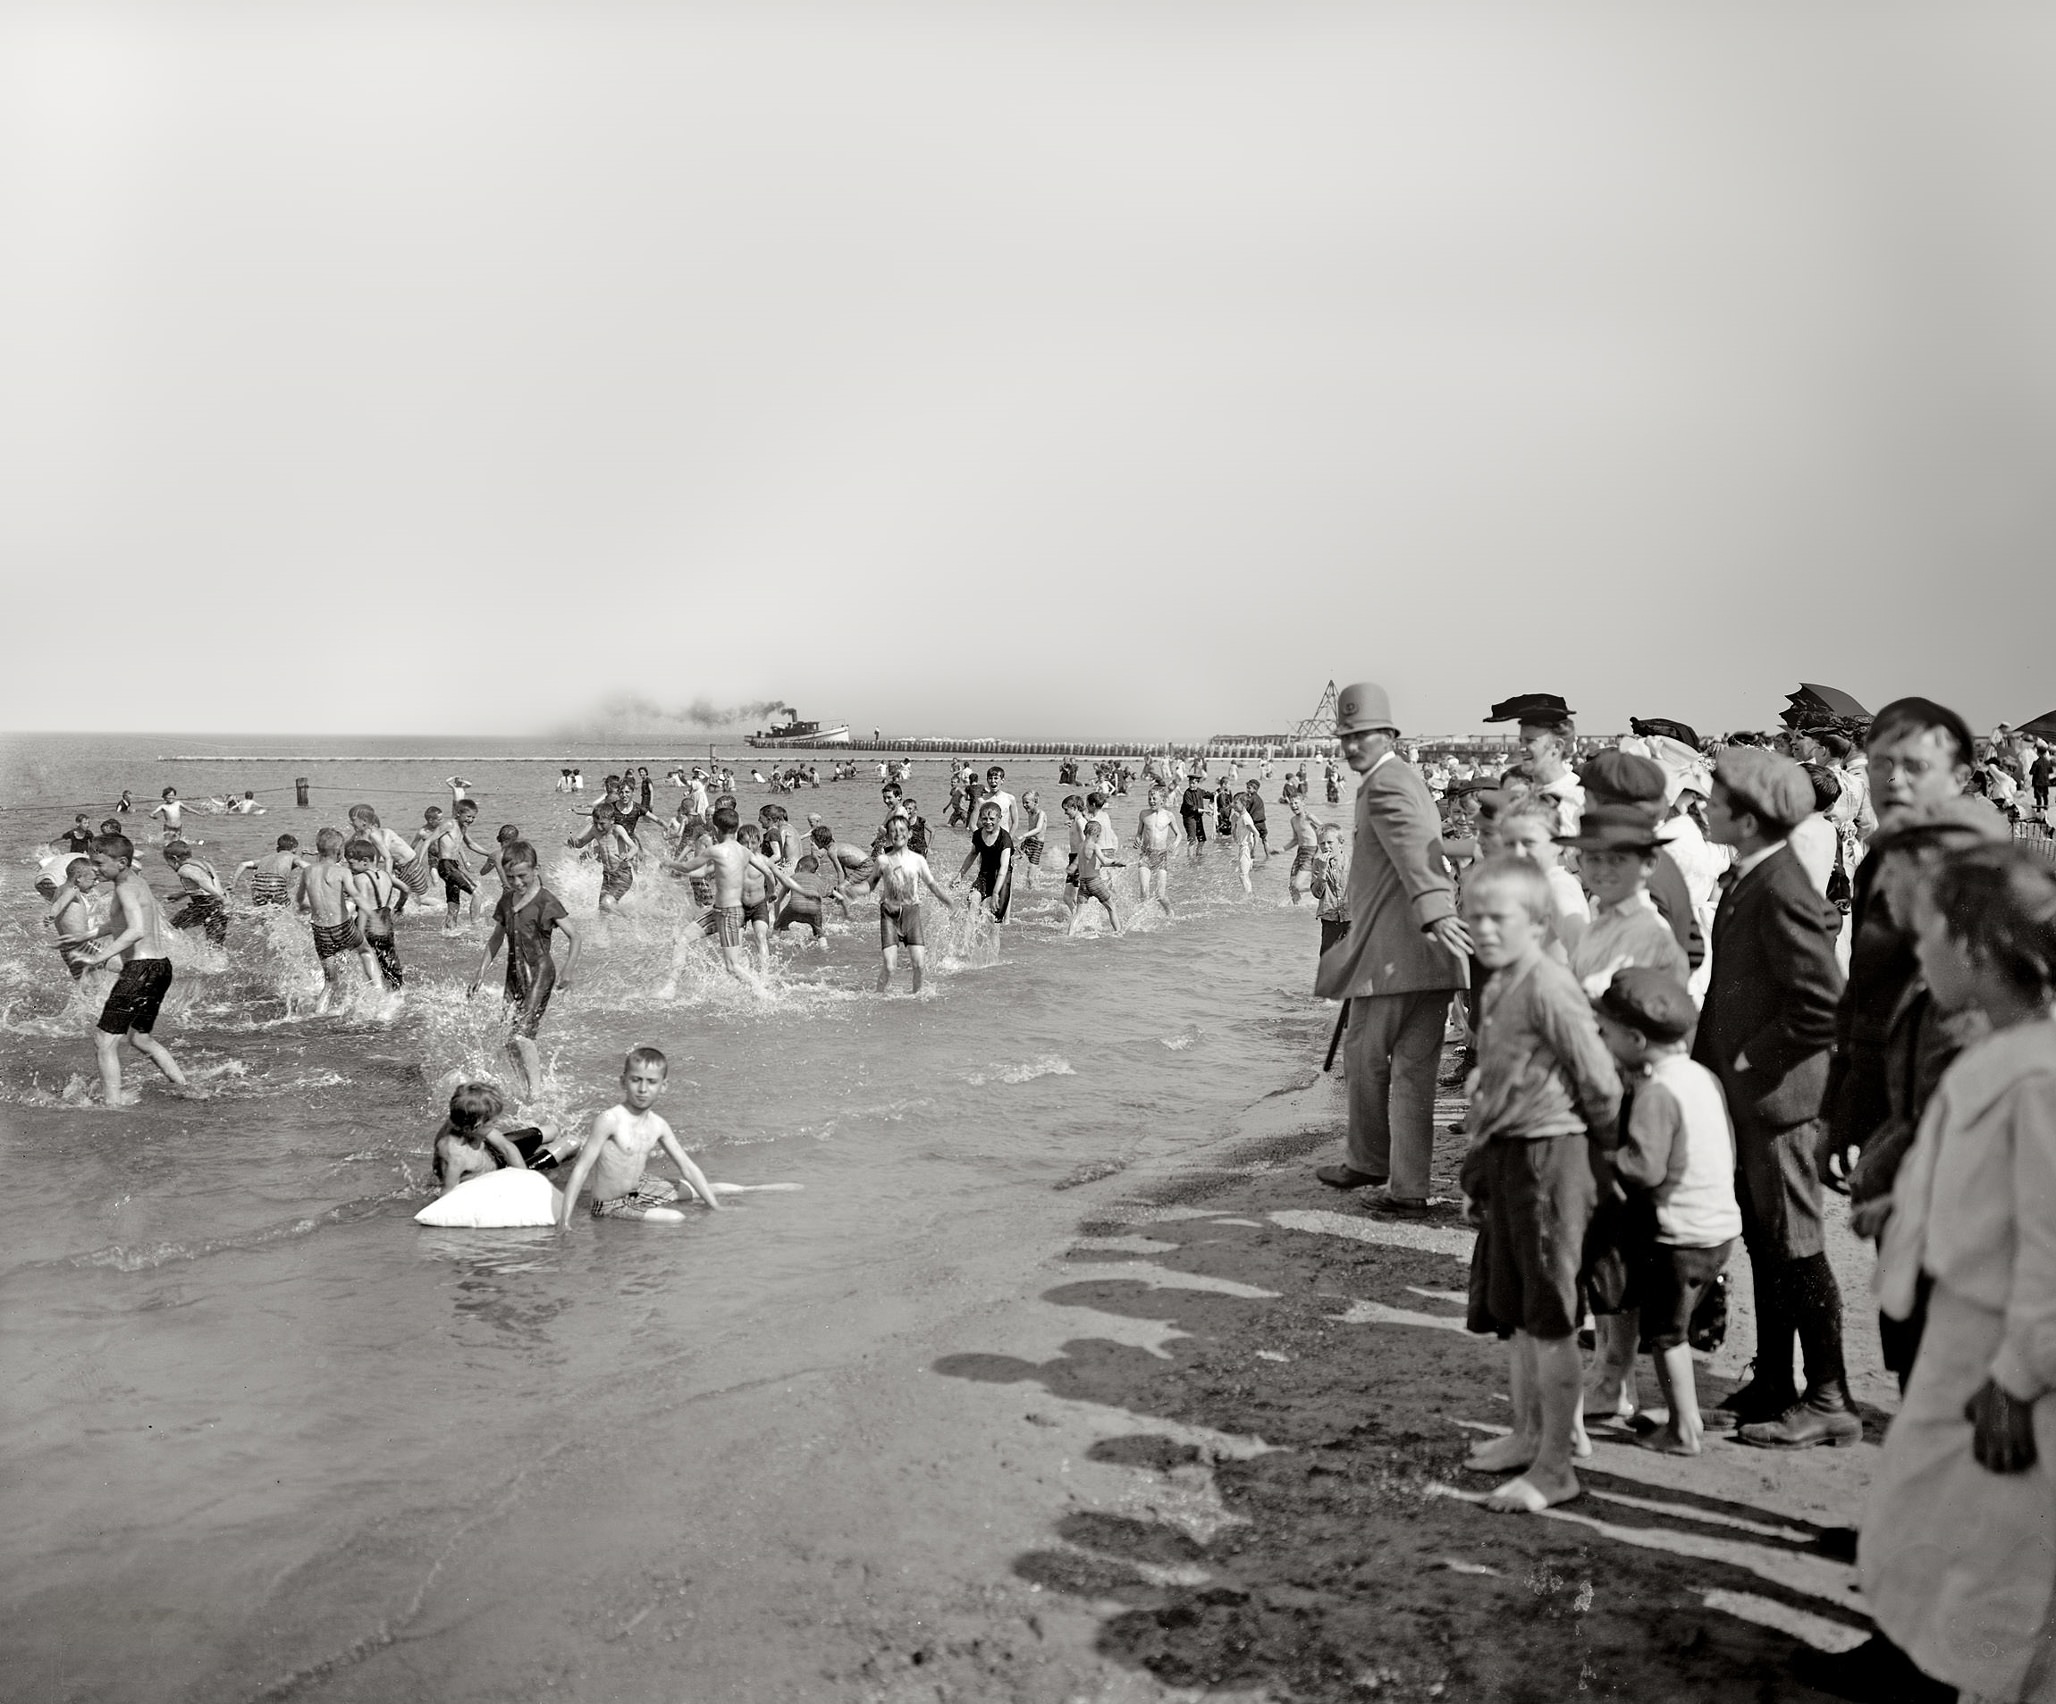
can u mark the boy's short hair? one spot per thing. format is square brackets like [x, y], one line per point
[178, 849]
[115, 846]
[750, 834]
[644, 1056]
[726, 821]
[289, 843]
[1092, 827]
[823, 835]
[167, 793]
[994, 770]
[431, 813]
[1530, 807]
[470, 805]
[361, 851]
[1917, 715]
[72, 869]
[364, 811]
[1096, 800]
[329, 840]
[1522, 875]
[474, 1105]
[519, 852]
[1072, 803]
[509, 833]
[110, 825]
[987, 808]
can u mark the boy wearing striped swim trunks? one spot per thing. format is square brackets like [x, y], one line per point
[275, 877]
[325, 891]
[727, 860]
[617, 1154]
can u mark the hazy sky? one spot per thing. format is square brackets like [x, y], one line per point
[1022, 368]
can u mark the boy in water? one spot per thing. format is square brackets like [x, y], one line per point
[479, 1138]
[615, 850]
[275, 877]
[617, 1154]
[729, 861]
[1091, 873]
[77, 839]
[526, 920]
[1328, 886]
[71, 915]
[996, 794]
[1034, 824]
[206, 904]
[172, 812]
[372, 892]
[1157, 832]
[325, 892]
[135, 940]
[992, 850]
[899, 876]
[756, 895]
[445, 849]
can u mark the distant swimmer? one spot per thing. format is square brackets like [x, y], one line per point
[898, 878]
[616, 1155]
[1158, 835]
[247, 805]
[275, 876]
[134, 938]
[206, 900]
[527, 921]
[124, 804]
[460, 790]
[992, 851]
[173, 814]
[77, 839]
[325, 891]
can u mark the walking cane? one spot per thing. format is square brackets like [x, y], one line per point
[1335, 1040]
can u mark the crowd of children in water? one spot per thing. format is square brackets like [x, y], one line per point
[1707, 980]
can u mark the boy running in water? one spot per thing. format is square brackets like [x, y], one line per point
[992, 850]
[372, 892]
[173, 812]
[729, 861]
[136, 941]
[617, 1154]
[1156, 831]
[1091, 881]
[71, 915]
[1033, 825]
[756, 895]
[1192, 811]
[445, 851]
[996, 794]
[206, 904]
[275, 877]
[899, 876]
[526, 920]
[325, 892]
[614, 849]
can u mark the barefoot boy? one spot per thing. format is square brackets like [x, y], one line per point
[275, 876]
[206, 903]
[526, 920]
[1089, 878]
[135, 940]
[899, 876]
[729, 861]
[1158, 834]
[326, 893]
[71, 915]
[1678, 1149]
[373, 893]
[1547, 1095]
[992, 851]
[616, 1156]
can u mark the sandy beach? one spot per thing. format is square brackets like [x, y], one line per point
[1190, 1431]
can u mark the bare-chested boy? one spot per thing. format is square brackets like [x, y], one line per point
[71, 915]
[899, 876]
[617, 1154]
[172, 810]
[275, 876]
[1093, 864]
[325, 893]
[206, 900]
[445, 851]
[135, 938]
[727, 861]
[374, 892]
[1158, 834]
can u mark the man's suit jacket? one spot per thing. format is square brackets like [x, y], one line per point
[1396, 885]
[1771, 1001]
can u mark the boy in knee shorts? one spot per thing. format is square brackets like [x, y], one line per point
[617, 1154]
[1542, 1125]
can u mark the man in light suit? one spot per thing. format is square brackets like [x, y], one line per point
[1766, 1031]
[1405, 952]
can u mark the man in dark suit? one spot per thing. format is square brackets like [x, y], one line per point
[1403, 955]
[1766, 1030]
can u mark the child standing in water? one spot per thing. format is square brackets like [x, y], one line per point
[206, 904]
[729, 861]
[275, 877]
[1245, 834]
[136, 942]
[526, 921]
[898, 877]
[992, 851]
[173, 814]
[1091, 880]
[617, 1154]
[1034, 824]
[326, 894]
[394, 854]
[372, 891]
[1157, 833]
[71, 915]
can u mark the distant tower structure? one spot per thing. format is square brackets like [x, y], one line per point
[1321, 724]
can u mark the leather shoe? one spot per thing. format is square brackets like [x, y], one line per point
[1407, 1206]
[1346, 1177]
[1748, 1404]
[1815, 1420]
[1876, 1672]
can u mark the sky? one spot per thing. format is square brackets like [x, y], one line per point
[1009, 369]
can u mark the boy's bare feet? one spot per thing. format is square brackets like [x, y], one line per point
[1532, 1493]
[1502, 1455]
[1666, 1442]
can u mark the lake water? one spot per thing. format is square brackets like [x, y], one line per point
[244, 1390]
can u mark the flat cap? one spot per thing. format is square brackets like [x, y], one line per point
[1537, 707]
[1362, 707]
[1623, 777]
[1615, 828]
[1651, 1001]
[1962, 821]
[1767, 785]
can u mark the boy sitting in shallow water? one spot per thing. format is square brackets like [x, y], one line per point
[476, 1139]
[618, 1153]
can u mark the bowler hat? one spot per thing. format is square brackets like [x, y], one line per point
[1766, 785]
[1614, 828]
[1363, 707]
[1539, 708]
[1651, 1001]
[1623, 777]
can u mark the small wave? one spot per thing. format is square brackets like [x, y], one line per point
[1043, 1065]
[122, 1258]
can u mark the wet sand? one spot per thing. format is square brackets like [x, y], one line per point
[1190, 1431]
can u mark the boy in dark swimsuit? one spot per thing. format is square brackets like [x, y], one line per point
[134, 930]
[526, 920]
[206, 905]
[372, 890]
[992, 850]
